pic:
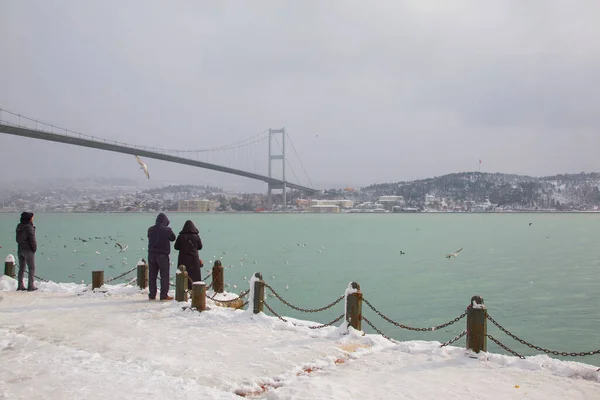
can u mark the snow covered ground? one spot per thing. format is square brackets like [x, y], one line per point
[66, 342]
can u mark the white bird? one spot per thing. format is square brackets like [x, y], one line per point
[97, 252]
[455, 254]
[121, 247]
[143, 166]
[287, 287]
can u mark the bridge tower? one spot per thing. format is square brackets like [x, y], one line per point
[281, 157]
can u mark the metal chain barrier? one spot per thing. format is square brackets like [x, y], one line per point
[229, 301]
[275, 314]
[449, 342]
[378, 331]
[207, 276]
[39, 278]
[538, 348]
[120, 276]
[303, 309]
[514, 353]
[435, 328]
[327, 324]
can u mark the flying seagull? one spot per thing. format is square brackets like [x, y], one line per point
[121, 247]
[455, 254]
[143, 166]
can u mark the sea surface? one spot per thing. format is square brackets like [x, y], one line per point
[539, 274]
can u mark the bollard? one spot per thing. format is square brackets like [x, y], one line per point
[9, 266]
[142, 274]
[477, 325]
[217, 277]
[97, 279]
[199, 296]
[259, 293]
[180, 284]
[354, 307]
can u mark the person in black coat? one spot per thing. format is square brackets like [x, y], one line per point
[188, 243]
[159, 248]
[27, 246]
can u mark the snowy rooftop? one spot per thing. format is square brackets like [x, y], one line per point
[67, 342]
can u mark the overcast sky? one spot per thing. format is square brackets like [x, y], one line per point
[369, 92]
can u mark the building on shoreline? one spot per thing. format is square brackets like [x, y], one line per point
[197, 205]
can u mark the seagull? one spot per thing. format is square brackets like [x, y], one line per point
[143, 166]
[455, 254]
[97, 252]
[403, 253]
[121, 248]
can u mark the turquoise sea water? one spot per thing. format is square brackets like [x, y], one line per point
[540, 281]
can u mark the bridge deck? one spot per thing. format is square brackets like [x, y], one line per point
[118, 148]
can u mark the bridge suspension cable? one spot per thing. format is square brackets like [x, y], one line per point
[288, 161]
[299, 159]
[58, 130]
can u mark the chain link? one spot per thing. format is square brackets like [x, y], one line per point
[39, 278]
[435, 328]
[514, 353]
[327, 324]
[275, 314]
[303, 309]
[120, 276]
[538, 348]
[449, 342]
[207, 276]
[229, 301]
[378, 331]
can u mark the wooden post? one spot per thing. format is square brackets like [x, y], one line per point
[354, 307]
[97, 279]
[199, 296]
[181, 284]
[217, 277]
[259, 293]
[477, 325]
[9, 266]
[142, 274]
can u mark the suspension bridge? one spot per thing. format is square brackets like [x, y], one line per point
[240, 158]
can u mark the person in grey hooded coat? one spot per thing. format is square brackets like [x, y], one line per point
[26, 248]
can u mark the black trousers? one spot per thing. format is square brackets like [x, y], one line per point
[158, 263]
[26, 258]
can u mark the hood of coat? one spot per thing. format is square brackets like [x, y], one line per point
[26, 217]
[189, 227]
[161, 219]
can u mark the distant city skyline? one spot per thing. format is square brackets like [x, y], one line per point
[396, 91]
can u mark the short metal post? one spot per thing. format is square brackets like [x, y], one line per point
[97, 279]
[259, 294]
[218, 278]
[199, 296]
[9, 266]
[142, 274]
[354, 307]
[477, 325]
[181, 284]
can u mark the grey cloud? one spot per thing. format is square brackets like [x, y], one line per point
[395, 89]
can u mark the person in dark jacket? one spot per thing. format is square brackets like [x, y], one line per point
[26, 248]
[188, 243]
[159, 249]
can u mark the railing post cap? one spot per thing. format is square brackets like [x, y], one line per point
[217, 263]
[198, 283]
[9, 258]
[258, 275]
[182, 268]
[141, 262]
[355, 285]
